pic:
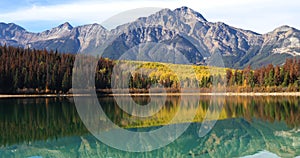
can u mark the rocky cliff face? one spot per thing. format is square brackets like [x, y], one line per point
[183, 29]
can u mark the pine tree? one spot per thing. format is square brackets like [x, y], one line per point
[66, 82]
[251, 79]
[271, 77]
[228, 77]
[277, 76]
[286, 80]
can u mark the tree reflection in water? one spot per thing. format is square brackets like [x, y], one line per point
[26, 120]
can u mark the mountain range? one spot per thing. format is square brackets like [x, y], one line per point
[182, 29]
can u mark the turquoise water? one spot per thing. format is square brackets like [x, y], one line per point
[51, 127]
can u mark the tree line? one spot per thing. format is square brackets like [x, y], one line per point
[34, 70]
[267, 78]
[42, 71]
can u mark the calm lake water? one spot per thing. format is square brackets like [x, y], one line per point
[246, 126]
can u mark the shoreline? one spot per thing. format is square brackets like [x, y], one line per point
[214, 94]
[152, 94]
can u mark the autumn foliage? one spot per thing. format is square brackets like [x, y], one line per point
[43, 71]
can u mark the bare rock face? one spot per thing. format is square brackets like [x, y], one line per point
[14, 35]
[183, 29]
[285, 40]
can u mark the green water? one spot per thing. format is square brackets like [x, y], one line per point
[51, 127]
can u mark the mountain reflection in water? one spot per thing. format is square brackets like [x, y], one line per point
[247, 125]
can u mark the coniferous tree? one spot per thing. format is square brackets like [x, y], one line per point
[277, 76]
[228, 77]
[66, 82]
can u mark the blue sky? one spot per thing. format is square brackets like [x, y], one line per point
[258, 15]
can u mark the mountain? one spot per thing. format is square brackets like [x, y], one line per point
[182, 31]
[64, 38]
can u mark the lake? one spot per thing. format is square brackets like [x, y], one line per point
[242, 126]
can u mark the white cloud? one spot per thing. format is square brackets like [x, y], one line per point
[249, 14]
[257, 15]
[82, 11]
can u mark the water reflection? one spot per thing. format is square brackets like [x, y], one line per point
[246, 125]
[229, 138]
[266, 108]
[25, 120]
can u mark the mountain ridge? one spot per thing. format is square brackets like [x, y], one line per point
[184, 28]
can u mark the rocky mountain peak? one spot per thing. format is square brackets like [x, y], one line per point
[11, 26]
[283, 32]
[57, 32]
[190, 13]
[283, 28]
[92, 26]
[65, 26]
[11, 31]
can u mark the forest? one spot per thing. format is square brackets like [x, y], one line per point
[42, 71]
